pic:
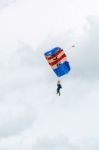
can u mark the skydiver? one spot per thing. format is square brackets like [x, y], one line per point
[59, 86]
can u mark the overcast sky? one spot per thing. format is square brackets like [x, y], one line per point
[32, 116]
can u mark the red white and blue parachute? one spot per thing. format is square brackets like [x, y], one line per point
[57, 59]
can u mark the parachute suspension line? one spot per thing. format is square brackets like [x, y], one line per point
[58, 79]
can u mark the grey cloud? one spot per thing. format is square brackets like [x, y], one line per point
[4, 3]
[91, 143]
[63, 143]
[85, 63]
[18, 73]
[57, 143]
[14, 119]
[20, 68]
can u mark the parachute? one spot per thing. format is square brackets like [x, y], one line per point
[57, 59]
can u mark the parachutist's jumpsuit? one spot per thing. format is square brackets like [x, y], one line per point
[58, 88]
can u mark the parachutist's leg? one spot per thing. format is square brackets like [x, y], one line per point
[59, 92]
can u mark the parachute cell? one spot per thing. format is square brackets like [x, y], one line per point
[57, 59]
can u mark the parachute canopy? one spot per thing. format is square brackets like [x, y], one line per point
[57, 59]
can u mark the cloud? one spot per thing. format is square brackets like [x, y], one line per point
[16, 115]
[63, 143]
[5, 3]
[14, 119]
[85, 61]
[59, 143]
